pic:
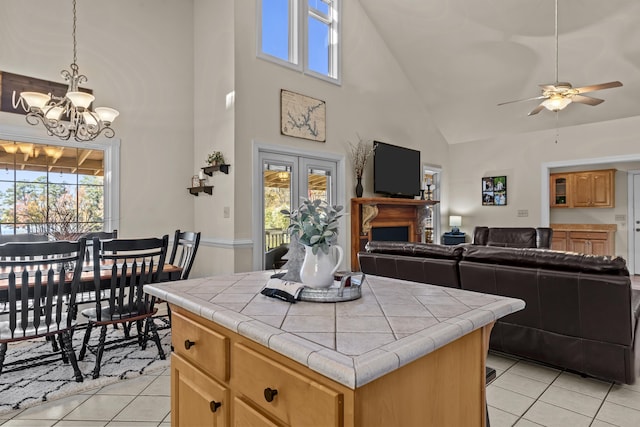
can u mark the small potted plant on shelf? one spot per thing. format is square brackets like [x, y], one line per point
[215, 159]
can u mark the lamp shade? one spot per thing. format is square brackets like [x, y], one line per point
[106, 114]
[35, 99]
[455, 221]
[556, 103]
[53, 112]
[80, 99]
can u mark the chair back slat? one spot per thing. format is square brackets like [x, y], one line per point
[135, 262]
[37, 284]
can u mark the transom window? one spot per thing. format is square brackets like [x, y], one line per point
[52, 190]
[303, 34]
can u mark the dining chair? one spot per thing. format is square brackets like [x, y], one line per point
[35, 279]
[183, 252]
[123, 267]
[89, 296]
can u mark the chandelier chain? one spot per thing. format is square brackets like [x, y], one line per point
[75, 47]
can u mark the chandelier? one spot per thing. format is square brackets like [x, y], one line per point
[53, 111]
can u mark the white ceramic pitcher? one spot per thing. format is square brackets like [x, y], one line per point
[318, 269]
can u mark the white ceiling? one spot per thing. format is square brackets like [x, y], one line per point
[466, 56]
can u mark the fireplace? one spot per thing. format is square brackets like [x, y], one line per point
[397, 234]
[379, 218]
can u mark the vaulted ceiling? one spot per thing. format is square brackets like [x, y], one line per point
[466, 56]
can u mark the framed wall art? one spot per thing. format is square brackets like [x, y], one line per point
[494, 191]
[302, 116]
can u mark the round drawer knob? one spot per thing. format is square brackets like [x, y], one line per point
[269, 394]
[188, 344]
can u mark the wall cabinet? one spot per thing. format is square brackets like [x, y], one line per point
[587, 189]
[590, 239]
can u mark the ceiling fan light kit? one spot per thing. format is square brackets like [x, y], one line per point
[559, 95]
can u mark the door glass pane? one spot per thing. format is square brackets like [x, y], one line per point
[277, 196]
[318, 184]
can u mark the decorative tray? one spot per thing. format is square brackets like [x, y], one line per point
[349, 288]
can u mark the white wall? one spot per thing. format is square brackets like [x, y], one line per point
[214, 131]
[375, 100]
[138, 57]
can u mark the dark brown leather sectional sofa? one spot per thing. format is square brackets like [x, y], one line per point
[581, 312]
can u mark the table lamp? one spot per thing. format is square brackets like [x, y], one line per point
[455, 221]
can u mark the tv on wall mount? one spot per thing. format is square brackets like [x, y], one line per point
[396, 170]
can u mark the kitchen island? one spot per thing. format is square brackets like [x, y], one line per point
[403, 354]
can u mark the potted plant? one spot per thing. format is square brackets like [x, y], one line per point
[315, 223]
[216, 158]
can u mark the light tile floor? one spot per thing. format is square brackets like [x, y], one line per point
[524, 394]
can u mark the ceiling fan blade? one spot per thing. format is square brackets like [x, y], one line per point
[586, 100]
[600, 86]
[523, 100]
[536, 110]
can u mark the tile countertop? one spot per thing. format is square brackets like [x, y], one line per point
[353, 342]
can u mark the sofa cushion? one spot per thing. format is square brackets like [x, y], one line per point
[544, 258]
[512, 237]
[416, 249]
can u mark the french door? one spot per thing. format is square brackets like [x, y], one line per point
[285, 180]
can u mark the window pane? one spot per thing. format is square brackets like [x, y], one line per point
[275, 28]
[90, 203]
[31, 203]
[7, 200]
[319, 5]
[318, 46]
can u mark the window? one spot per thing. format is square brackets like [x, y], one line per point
[54, 190]
[285, 37]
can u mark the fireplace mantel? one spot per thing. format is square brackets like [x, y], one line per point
[373, 212]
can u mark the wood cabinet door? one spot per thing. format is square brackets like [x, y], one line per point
[602, 190]
[196, 399]
[559, 244]
[580, 246]
[599, 247]
[559, 190]
[582, 190]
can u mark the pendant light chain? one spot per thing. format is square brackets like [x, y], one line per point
[75, 46]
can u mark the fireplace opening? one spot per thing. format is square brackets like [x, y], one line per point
[394, 234]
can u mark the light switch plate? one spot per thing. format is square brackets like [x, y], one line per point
[523, 212]
[226, 212]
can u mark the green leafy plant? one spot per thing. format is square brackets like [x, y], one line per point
[315, 223]
[215, 158]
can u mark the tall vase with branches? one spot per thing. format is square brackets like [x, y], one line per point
[360, 153]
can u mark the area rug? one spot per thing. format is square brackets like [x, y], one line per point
[37, 384]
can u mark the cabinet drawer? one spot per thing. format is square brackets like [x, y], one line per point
[196, 399]
[588, 235]
[246, 416]
[205, 348]
[253, 374]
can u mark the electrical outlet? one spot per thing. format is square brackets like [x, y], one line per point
[621, 218]
[523, 212]
[226, 212]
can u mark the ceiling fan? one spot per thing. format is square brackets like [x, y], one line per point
[560, 94]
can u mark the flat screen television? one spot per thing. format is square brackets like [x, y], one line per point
[396, 170]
